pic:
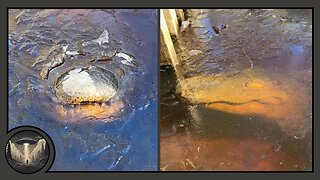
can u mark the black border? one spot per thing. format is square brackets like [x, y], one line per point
[162, 4]
[158, 86]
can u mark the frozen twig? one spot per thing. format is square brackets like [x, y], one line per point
[248, 59]
[164, 168]
[191, 163]
[14, 87]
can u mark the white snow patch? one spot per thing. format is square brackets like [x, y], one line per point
[104, 38]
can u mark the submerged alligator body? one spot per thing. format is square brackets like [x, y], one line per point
[250, 93]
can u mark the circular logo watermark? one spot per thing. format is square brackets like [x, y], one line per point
[28, 150]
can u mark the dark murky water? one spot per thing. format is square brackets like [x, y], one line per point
[246, 93]
[123, 139]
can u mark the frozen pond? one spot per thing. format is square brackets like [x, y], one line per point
[44, 45]
[245, 98]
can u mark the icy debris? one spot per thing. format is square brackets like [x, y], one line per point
[118, 160]
[184, 25]
[125, 150]
[64, 48]
[86, 43]
[101, 150]
[72, 53]
[33, 51]
[84, 155]
[277, 147]
[125, 56]
[194, 52]
[104, 38]
[128, 60]
[56, 58]
[10, 43]
[146, 106]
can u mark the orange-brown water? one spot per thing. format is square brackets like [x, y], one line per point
[185, 152]
[249, 137]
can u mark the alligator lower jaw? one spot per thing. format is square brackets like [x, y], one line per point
[271, 111]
